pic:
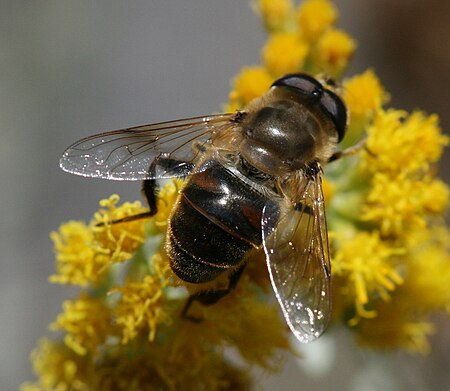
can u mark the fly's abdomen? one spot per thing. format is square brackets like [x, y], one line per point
[217, 220]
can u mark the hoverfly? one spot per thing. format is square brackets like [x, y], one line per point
[252, 180]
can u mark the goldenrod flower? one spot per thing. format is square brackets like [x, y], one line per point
[86, 322]
[389, 247]
[333, 52]
[315, 17]
[83, 252]
[401, 142]
[401, 203]
[58, 368]
[394, 327]
[364, 95]
[368, 266]
[77, 263]
[427, 270]
[284, 53]
[141, 307]
[275, 14]
[249, 84]
[119, 242]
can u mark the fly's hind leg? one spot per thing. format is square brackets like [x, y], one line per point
[170, 168]
[212, 297]
[179, 168]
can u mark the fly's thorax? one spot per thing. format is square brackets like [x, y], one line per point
[282, 132]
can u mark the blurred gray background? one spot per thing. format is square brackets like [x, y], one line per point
[72, 68]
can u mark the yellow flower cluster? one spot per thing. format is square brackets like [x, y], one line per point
[86, 322]
[302, 38]
[85, 251]
[370, 272]
[125, 330]
[389, 246]
[386, 209]
[141, 307]
[375, 200]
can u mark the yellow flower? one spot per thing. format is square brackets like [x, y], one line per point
[401, 204]
[398, 142]
[403, 322]
[368, 266]
[389, 248]
[275, 14]
[395, 328]
[83, 252]
[154, 371]
[77, 262]
[333, 52]
[284, 53]
[120, 240]
[427, 271]
[86, 322]
[328, 189]
[315, 17]
[249, 84]
[364, 94]
[58, 367]
[141, 307]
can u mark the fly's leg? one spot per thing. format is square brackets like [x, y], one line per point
[212, 297]
[171, 167]
[150, 186]
[350, 150]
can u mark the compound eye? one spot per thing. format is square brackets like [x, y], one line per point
[302, 83]
[311, 89]
[336, 110]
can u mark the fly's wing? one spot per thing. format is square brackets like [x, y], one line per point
[127, 154]
[296, 247]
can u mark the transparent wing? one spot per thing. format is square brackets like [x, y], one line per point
[127, 154]
[296, 246]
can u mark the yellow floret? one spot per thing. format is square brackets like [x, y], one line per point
[119, 240]
[315, 17]
[141, 307]
[395, 328]
[427, 270]
[284, 53]
[77, 262]
[364, 95]
[251, 83]
[398, 142]
[58, 367]
[333, 52]
[86, 322]
[367, 263]
[275, 14]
